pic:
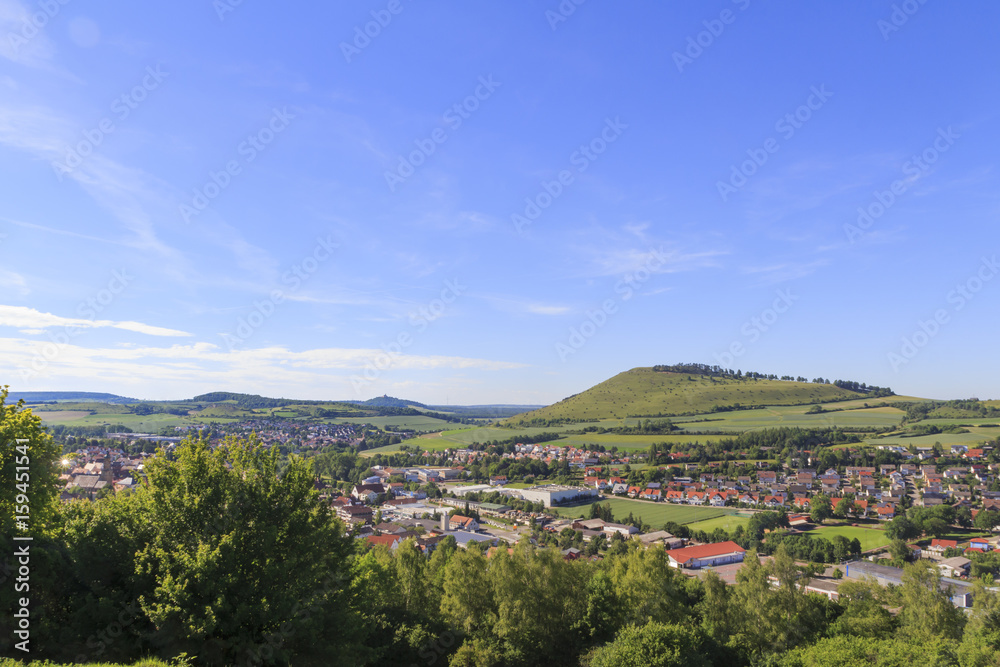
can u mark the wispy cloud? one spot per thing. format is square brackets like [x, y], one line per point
[542, 309]
[201, 364]
[14, 281]
[24, 318]
[778, 273]
[621, 261]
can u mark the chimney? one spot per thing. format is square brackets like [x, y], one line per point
[445, 520]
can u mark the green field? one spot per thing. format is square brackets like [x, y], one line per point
[870, 538]
[411, 422]
[793, 416]
[946, 439]
[387, 449]
[655, 514]
[727, 523]
[138, 423]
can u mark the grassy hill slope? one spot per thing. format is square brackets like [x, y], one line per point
[642, 392]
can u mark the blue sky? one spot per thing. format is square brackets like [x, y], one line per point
[495, 202]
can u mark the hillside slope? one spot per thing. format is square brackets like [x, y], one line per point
[643, 392]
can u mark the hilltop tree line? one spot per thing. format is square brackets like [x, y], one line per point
[720, 372]
[972, 408]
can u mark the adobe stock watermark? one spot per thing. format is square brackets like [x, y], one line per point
[562, 13]
[959, 297]
[434, 649]
[900, 15]
[363, 35]
[267, 651]
[87, 309]
[36, 21]
[757, 325]
[787, 126]
[704, 39]
[579, 160]
[595, 320]
[917, 166]
[248, 150]
[419, 321]
[453, 116]
[122, 107]
[294, 277]
[100, 641]
[223, 7]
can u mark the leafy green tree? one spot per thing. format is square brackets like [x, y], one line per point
[715, 608]
[467, 600]
[864, 614]
[28, 471]
[653, 645]
[29, 488]
[987, 520]
[927, 610]
[899, 551]
[771, 619]
[844, 507]
[842, 651]
[981, 641]
[901, 528]
[936, 527]
[820, 508]
[646, 587]
[228, 561]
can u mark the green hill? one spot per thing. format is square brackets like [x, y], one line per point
[644, 392]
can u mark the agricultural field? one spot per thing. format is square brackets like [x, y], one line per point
[873, 402]
[792, 416]
[870, 538]
[138, 423]
[655, 514]
[627, 443]
[385, 449]
[414, 422]
[61, 416]
[946, 439]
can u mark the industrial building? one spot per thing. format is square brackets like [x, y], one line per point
[959, 591]
[557, 494]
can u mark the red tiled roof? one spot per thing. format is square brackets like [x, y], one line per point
[705, 551]
[944, 544]
[386, 540]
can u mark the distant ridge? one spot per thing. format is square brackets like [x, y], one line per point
[91, 396]
[390, 402]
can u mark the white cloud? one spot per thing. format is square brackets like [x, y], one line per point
[23, 317]
[276, 370]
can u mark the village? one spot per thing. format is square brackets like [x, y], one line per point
[430, 503]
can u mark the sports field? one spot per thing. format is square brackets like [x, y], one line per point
[655, 514]
[727, 522]
[870, 538]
